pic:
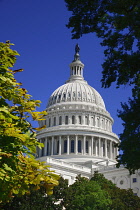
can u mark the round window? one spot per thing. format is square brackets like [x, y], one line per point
[121, 182]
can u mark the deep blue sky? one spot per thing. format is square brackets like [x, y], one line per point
[37, 28]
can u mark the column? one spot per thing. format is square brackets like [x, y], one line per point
[89, 147]
[92, 145]
[57, 120]
[96, 147]
[84, 145]
[51, 121]
[68, 145]
[40, 150]
[76, 119]
[110, 149]
[114, 152]
[49, 147]
[60, 145]
[52, 145]
[45, 147]
[63, 119]
[76, 144]
[69, 119]
[106, 148]
[99, 147]
[89, 120]
[83, 119]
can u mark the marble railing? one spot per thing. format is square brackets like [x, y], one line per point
[107, 168]
[73, 166]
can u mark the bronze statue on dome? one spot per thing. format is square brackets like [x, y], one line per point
[77, 48]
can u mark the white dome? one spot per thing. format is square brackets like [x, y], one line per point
[76, 88]
[78, 126]
[76, 91]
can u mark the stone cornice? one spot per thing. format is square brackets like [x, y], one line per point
[77, 130]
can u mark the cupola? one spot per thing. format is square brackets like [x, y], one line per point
[76, 67]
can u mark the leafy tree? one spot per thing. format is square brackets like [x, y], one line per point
[34, 200]
[121, 199]
[85, 194]
[37, 199]
[116, 22]
[131, 135]
[18, 142]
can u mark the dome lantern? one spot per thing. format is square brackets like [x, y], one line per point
[76, 67]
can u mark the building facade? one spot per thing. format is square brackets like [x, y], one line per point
[78, 137]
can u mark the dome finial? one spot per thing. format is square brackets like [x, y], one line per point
[77, 49]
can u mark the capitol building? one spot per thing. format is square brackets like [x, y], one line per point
[78, 138]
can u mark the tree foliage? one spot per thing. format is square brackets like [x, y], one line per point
[97, 193]
[121, 199]
[85, 194]
[37, 199]
[116, 22]
[131, 136]
[18, 167]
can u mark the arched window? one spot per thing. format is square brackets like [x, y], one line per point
[86, 120]
[47, 148]
[54, 121]
[75, 70]
[109, 126]
[79, 146]
[112, 147]
[106, 126]
[66, 120]
[65, 146]
[69, 95]
[79, 94]
[73, 119]
[64, 95]
[72, 146]
[55, 97]
[86, 146]
[60, 120]
[49, 122]
[94, 145]
[103, 148]
[78, 70]
[73, 94]
[93, 121]
[80, 120]
[103, 123]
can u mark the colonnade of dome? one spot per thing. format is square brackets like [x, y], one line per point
[78, 145]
